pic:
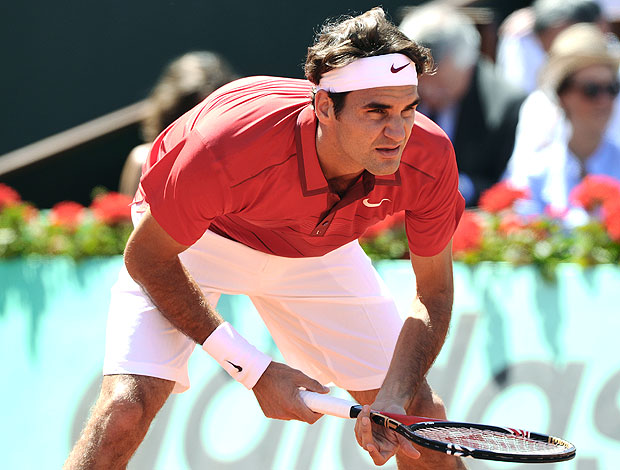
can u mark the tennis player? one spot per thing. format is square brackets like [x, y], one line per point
[263, 189]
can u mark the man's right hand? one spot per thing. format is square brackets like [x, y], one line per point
[277, 392]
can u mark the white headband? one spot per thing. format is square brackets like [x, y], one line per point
[370, 72]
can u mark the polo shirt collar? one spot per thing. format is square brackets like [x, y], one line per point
[310, 174]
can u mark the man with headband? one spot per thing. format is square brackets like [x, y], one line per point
[263, 189]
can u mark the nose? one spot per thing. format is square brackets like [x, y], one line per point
[396, 129]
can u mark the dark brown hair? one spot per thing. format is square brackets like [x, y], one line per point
[341, 41]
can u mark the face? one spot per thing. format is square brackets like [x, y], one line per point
[370, 132]
[588, 100]
[446, 87]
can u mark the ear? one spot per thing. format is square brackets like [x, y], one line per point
[323, 107]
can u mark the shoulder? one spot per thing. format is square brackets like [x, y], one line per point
[250, 124]
[139, 153]
[609, 155]
[496, 90]
[241, 105]
[428, 150]
[252, 101]
[539, 99]
[517, 24]
[537, 164]
[251, 106]
[611, 145]
[267, 91]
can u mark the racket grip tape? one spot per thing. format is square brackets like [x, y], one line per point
[328, 405]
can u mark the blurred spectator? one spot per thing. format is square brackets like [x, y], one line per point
[541, 120]
[526, 35]
[581, 76]
[184, 83]
[501, 9]
[611, 9]
[472, 104]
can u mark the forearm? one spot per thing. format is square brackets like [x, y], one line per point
[152, 260]
[420, 341]
[176, 295]
[424, 332]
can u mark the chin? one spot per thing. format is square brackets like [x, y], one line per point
[384, 170]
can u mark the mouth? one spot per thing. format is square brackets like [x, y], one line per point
[389, 152]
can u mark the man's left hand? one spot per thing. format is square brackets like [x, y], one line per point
[381, 443]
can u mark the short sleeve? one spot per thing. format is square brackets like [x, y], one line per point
[185, 189]
[431, 224]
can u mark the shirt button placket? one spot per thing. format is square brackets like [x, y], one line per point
[322, 227]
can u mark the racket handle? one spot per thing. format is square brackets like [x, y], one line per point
[326, 404]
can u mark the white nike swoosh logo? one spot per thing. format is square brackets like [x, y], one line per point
[370, 204]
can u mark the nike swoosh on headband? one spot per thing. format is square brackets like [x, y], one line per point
[367, 203]
[398, 69]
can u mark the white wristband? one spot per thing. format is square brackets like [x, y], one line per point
[239, 358]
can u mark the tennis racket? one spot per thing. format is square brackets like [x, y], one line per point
[479, 441]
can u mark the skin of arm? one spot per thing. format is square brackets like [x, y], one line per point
[419, 343]
[152, 260]
[423, 333]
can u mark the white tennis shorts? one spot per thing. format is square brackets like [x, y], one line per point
[331, 317]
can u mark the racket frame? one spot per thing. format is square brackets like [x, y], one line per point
[408, 425]
[416, 423]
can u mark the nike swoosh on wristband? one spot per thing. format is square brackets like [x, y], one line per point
[239, 368]
[397, 69]
[367, 203]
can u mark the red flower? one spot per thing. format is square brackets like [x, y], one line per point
[500, 196]
[468, 235]
[611, 218]
[510, 223]
[8, 196]
[112, 208]
[386, 224]
[67, 214]
[29, 212]
[594, 191]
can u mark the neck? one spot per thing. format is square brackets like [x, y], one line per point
[331, 161]
[341, 184]
[583, 144]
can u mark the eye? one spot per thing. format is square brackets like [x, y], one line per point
[377, 114]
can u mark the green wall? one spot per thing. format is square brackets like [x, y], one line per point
[521, 352]
[68, 62]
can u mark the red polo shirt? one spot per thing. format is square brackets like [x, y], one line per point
[243, 164]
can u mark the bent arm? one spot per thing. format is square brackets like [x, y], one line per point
[424, 332]
[152, 260]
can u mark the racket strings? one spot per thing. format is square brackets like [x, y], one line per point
[488, 440]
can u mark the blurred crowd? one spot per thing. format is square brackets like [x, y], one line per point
[541, 112]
